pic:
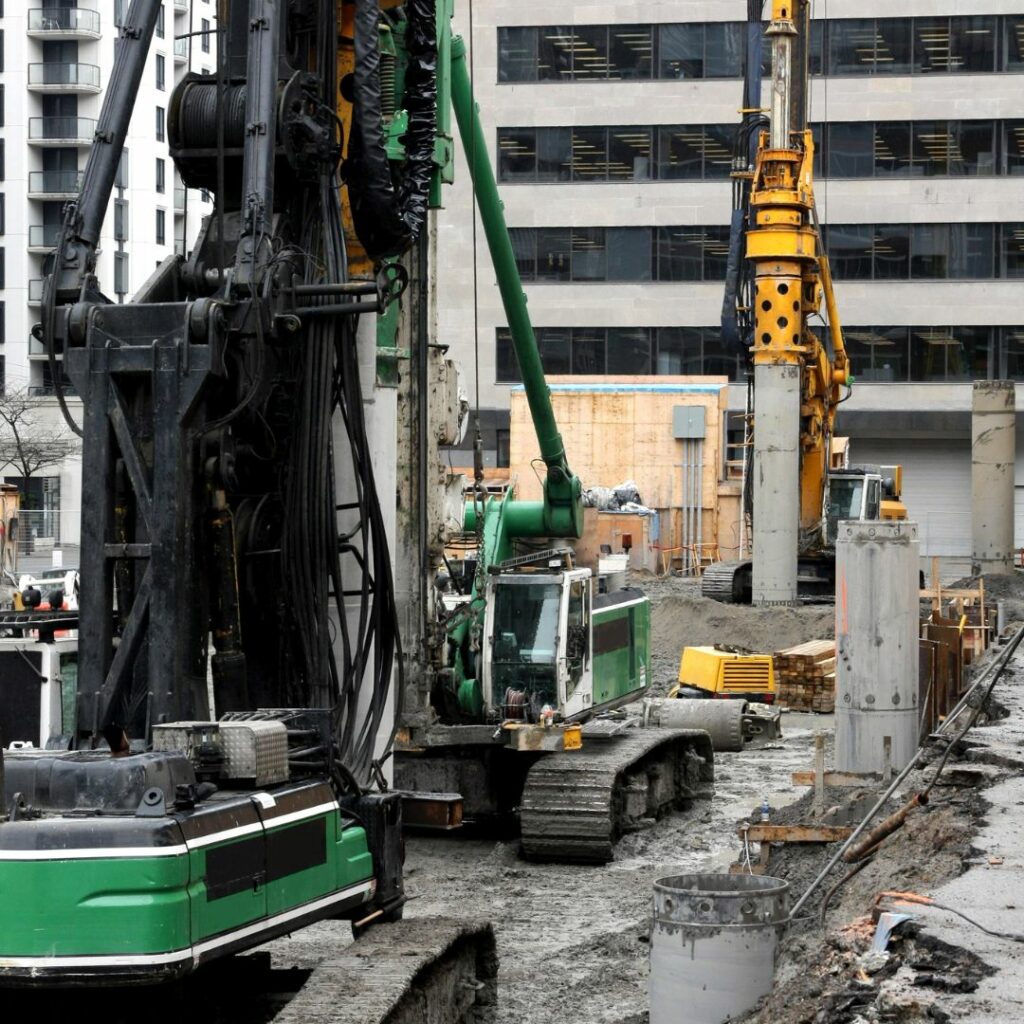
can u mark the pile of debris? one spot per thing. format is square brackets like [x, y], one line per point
[805, 676]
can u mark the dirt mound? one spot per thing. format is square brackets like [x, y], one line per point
[1008, 589]
[680, 620]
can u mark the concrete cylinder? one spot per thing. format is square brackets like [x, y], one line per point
[713, 945]
[877, 629]
[722, 720]
[776, 471]
[993, 456]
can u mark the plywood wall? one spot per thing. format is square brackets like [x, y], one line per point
[621, 429]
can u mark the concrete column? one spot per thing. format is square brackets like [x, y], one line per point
[776, 471]
[877, 629]
[993, 456]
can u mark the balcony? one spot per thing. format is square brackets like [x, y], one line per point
[61, 131]
[60, 76]
[37, 348]
[43, 238]
[63, 23]
[181, 50]
[54, 184]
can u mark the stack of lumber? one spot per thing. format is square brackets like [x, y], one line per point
[805, 676]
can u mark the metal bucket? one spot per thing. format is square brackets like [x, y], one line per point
[713, 943]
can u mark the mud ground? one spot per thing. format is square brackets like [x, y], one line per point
[572, 940]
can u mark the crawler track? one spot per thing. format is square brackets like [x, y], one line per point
[576, 804]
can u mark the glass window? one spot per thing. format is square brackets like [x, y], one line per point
[932, 147]
[517, 54]
[851, 46]
[631, 51]
[121, 273]
[161, 72]
[719, 361]
[877, 354]
[120, 7]
[1013, 250]
[679, 350]
[1013, 30]
[972, 251]
[553, 254]
[121, 219]
[681, 51]
[588, 255]
[161, 175]
[680, 152]
[517, 154]
[588, 345]
[589, 52]
[716, 253]
[680, 253]
[929, 348]
[555, 47]
[629, 153]
[719, 140]
[1011, 356]
[972, 43]
[851, 150]
[553, 154]
[1013, 146]
[815, 53]
[932, 45]
[505, 363]
[929, 249]
[893, 47]
[849, 250]
[553, 344]
[590, 154]
[892, 149]
[204, 39]
[724, 49]
[972, 147]
[629, 350]
[161, 227]
[161, 120]
[972, 356]
[524, 246]
[891, 252]
[629, 254]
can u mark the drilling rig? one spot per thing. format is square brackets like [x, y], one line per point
[217, 778]
[774, 286]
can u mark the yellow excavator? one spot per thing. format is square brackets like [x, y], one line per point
[774, 287]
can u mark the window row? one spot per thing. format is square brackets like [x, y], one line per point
[848, 46]
[877, 354]
[881, 252]
[695, 152]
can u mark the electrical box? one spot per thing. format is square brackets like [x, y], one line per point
[688, 422]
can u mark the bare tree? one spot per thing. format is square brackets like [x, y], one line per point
[29, 442]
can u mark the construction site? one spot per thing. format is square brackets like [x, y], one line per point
[679, 715]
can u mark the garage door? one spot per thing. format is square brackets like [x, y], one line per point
[936, 488]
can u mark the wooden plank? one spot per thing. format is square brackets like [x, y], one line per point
[846, 780]
[796, 833]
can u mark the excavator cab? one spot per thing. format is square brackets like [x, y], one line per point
[537, 643]
[852, 494]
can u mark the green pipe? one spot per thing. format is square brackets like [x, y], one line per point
[563, 506]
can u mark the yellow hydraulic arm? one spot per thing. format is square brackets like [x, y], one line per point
[791, 269]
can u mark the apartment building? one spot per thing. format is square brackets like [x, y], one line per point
[55, 62]
[611, 129]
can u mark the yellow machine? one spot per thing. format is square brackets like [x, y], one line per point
[799, 379]
[725, 673]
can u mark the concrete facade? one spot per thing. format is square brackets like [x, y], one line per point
[996, 303]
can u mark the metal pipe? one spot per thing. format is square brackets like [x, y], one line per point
[562, 489]
[260, 137]
[700, 498]
[994, 670]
